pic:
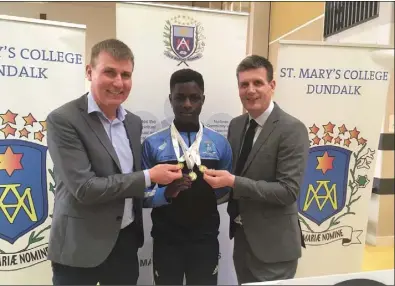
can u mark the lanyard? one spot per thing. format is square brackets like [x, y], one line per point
[190, 155]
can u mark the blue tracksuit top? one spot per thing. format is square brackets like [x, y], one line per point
[193, 213]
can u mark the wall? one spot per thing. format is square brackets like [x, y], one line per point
[283, 18]
[381, 213]
[285, 24]
[259, 28]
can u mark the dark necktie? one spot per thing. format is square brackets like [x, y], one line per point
[247, 146]
[233, 208]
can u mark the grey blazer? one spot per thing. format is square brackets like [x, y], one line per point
[90, 190]
[269, 185]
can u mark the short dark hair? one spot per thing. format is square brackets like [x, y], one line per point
[116, 48]
[186, 75]
[255, 62]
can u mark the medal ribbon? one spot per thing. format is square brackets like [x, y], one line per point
[191, 155]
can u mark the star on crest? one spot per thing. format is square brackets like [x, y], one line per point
[8, 130]
[325, 162]
[362, 141]
[342, 129]
[347, 142]
[43, 125]
[329, 127]
[354, 133]
[316, 140]
[8, 117]
[10, 161]
[314, 129]
[338, 140]
[327, 138]
[38, 136]
[29, 120]
[24, 133]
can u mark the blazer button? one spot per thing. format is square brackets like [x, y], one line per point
[119, 218]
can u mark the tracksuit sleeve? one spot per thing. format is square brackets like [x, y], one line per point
[225, 163]
[154, 195]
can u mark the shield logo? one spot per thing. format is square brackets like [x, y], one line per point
[209, 146]
[183, 40]
[23, 188]
[324, 189]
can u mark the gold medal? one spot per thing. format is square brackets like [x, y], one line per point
[202, 168]
[181, 165]
[193, 176]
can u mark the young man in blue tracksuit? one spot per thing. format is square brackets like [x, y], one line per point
[185, 218]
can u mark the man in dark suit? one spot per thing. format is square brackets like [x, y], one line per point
[94, 143]
[270, 149]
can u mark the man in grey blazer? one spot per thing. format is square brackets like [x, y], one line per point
[94, 143]
[270, 149]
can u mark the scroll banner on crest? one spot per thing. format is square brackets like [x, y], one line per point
[41, 68]
[166, 38]
[339, 92]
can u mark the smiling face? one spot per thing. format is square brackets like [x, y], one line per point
[187, 101]
[111, 81]
[255, 90]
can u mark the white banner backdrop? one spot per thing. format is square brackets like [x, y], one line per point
[41, 67]
[167, 38]
[339, 91]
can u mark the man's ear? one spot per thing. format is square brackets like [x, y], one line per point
[170, 97]
[273, 84]
[203, 98]
[88, 71]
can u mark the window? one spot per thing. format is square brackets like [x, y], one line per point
[340, 16]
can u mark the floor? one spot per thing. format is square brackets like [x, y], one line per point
[378, 258]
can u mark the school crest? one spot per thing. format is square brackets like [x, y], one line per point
[25, 191]
[183, 39]
[23, 188]
[324, 194]
[336, 173]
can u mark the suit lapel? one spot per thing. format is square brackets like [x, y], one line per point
[97, 127]
[133, 132]
[240, 129]
[267, 129]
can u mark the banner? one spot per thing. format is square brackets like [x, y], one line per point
[41, 67]
[339, 92]
[167, 38]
